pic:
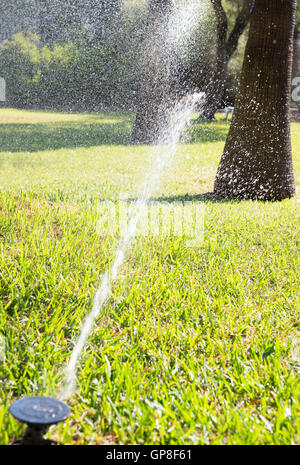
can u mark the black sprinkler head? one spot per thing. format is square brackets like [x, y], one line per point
[38, 413]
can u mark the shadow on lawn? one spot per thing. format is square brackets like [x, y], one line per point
[35, 137]
[201, 198]
[54, 136]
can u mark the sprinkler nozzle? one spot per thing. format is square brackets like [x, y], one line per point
[38, 413]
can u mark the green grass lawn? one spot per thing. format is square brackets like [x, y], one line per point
[196, 345]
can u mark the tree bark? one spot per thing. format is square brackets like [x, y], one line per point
[225, 48]
[257, 159]
[152, 112]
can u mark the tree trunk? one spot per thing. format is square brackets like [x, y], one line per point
[257, 160]
[225, 48]
[45, 28]
[215, 87]
[152, 112]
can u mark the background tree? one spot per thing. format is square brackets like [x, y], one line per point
[152, 111]
[68, 20]
[16, 16]
[257, 159]
[83, 61]
[226, 45]
[296, 55]
[107, 39]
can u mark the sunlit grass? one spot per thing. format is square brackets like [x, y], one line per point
[195, 346]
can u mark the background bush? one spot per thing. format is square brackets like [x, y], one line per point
[68, 76]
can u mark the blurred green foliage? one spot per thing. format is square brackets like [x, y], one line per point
[65, 75]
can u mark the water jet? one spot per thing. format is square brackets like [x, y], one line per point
[39, 413]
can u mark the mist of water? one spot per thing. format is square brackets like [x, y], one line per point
[162, 156]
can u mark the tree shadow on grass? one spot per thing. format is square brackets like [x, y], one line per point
[49, 136]
[35, 137]
[201, 198]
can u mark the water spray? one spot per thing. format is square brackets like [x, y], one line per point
[39, 412]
